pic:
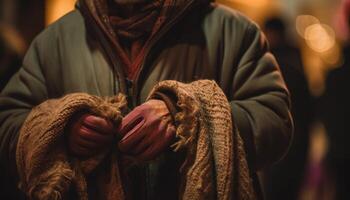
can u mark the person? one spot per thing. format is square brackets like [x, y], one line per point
[127, 46]
[286, 176]
[333, 113]
[334, 110]
[10, 60]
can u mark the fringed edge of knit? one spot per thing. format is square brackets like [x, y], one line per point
[53, 183]
[186, 119]
[114, 112]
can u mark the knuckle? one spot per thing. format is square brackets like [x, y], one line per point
[84, 132]
[84, 118]
[139, 109]
[93, 120]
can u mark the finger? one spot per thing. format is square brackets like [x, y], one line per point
[165, 135]
[88, 143]
[98, 124]
[158, 106]
[129, 122]
[131, 138]
[170, 133]
[92, 135]
[151, 137]
[159, 147]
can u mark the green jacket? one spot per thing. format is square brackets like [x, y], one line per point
[214, 42]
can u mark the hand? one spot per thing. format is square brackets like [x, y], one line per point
[147, 131]
[89, 135]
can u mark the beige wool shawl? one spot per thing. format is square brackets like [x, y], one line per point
[215, 166]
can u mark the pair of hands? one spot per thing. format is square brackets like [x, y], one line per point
[146, 132]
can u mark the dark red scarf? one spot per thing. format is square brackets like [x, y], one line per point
[131, 36]
[134, 32]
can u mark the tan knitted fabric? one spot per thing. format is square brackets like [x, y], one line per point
[45, 169]
[215, 165]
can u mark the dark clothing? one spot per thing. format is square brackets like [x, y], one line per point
[335, 109]
[335, 112]
[208, 42]
[286, 176]
[133, 32]
[10, 63]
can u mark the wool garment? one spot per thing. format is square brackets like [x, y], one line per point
[215, 165]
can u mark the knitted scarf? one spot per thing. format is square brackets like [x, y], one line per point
[135, 31]
[215, 166]
[131, 36]
[45, 168]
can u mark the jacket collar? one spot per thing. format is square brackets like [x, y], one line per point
[98, 10]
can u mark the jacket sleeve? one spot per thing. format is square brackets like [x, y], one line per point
[25, 90]
[260, 102]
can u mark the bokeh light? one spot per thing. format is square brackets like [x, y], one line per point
[305, 21]
[319, 37]
[57, 8]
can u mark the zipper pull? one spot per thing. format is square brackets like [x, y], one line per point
[129, 85]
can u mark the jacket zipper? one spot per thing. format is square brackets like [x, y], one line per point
[108, 51]
[126, 85]
[134, 87]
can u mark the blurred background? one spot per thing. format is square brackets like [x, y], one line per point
[310, 39]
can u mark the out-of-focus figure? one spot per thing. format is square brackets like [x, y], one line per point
[336, 117]
[335, 112]
[12, 49]
[283, 180]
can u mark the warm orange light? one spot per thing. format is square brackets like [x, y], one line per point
[257, 10]
[252, 3]
[14, 39]
[318, 143]
[320, 37]
[333, 57]
[305, 21]
[57, 8]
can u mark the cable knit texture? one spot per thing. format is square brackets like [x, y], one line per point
[45, 168]
[215, 166]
